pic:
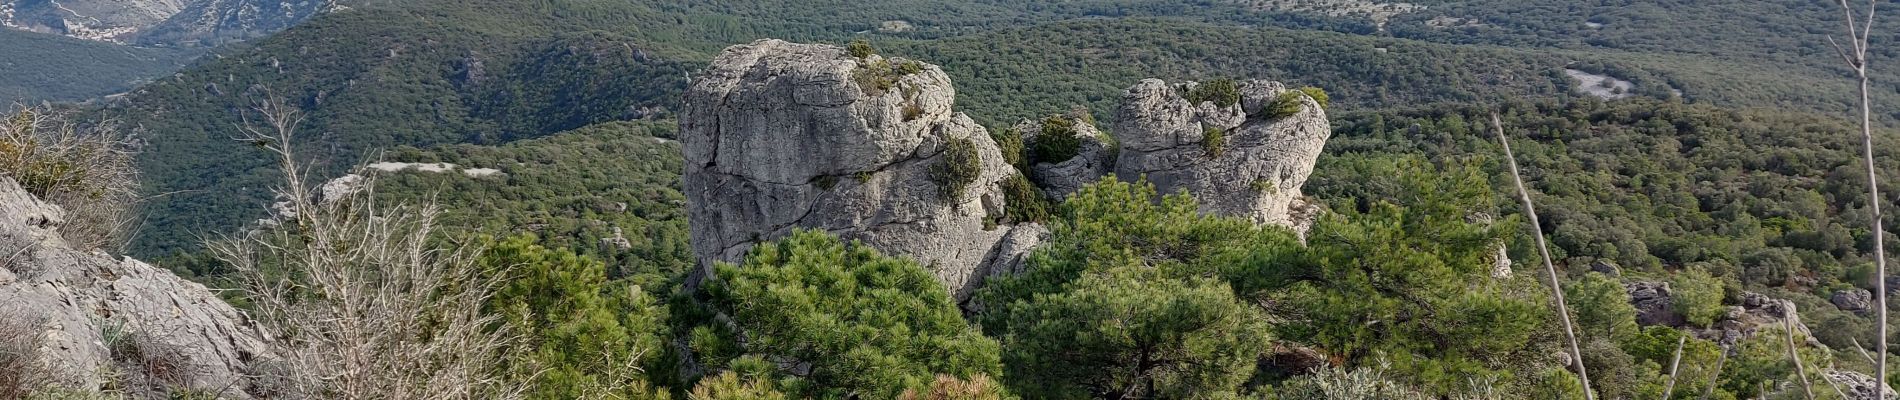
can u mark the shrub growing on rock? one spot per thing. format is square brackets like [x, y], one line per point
[959, 167]
[1057, 142]
[1214, 140]
[1223, 92]
[860, 48]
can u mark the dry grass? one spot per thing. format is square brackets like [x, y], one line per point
[22, 372]
[87, 170]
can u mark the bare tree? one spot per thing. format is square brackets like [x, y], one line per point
[1859, 29]
[87, 171]
[1556, 285]
[1787, 324]
[1675, 365]
[369, 305]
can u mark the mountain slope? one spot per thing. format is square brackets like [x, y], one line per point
[48, 67]
[158, 22]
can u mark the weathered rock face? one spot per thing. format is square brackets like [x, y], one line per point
[781, 136]
[1853, 300]
[80, 298]
[1061, 178]
[1255, 171]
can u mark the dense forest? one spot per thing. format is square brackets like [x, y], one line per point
[52, 68]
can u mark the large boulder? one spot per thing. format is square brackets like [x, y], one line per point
[101, 319]
[1853, 300]
[1254, 169]
[1857, 386]
[781, 136]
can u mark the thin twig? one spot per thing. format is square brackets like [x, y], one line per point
[1556, 287]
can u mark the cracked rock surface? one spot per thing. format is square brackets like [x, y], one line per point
[1259, 166]
[781, 136]
[78, 298]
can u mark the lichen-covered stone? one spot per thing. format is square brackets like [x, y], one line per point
[1061, 178]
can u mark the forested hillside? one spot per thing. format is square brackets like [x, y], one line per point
[42, 67]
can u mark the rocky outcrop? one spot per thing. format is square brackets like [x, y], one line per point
[781, 136]
[1235, 159]
[1655, 306]
[1060, 178]
[1853, 300]
[101, 317]
[1857, 386]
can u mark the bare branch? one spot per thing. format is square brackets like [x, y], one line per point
[1674, 366]
[1556, 286]
[1787, 323]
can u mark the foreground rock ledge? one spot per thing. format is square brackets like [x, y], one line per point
[75, 298]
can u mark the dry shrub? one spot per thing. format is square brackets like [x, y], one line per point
[369, 306]
[22, 371]
[87, 170]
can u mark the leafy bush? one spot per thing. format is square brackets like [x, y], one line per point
[869, 326]
[1214, 140]
[1057, 142]
[959, 167]
[1223, 92]
[1697, 296]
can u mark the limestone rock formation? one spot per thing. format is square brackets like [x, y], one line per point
[1853, 300]
[99, 314]
[1254, 169]
[781, 136]
[1061, 178]
[1655, 306]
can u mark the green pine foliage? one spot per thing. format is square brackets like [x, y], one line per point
[592, 338]
[1133, 330]
[867, 325]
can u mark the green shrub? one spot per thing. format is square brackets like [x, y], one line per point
[1223, 92]
[1318, 95]
[1697, 296]
[874, 78]
[1010, 143]
[958, 168]
[1058, 141]
[870, 326]
[910, 67]
[1287, 104]
[1214, 140]
[860, 48]
[1025, 202]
